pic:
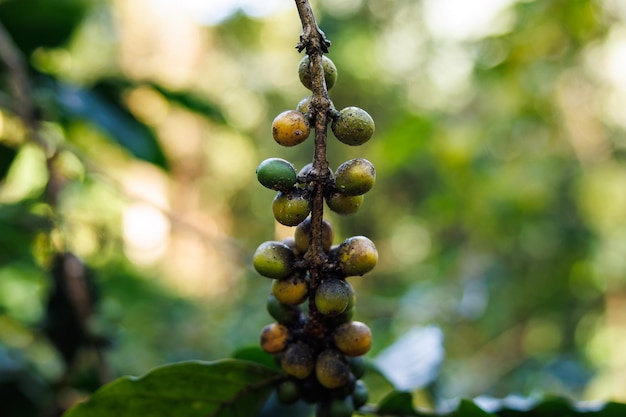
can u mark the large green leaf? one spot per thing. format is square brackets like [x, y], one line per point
[102, 106]
[225, 388]
[46, 23]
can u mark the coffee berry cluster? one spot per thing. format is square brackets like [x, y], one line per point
[318, 345]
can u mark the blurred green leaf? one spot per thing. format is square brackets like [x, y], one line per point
[41, 23]
[226, 388]
[398, 403]
[102, 106]
[192, 102]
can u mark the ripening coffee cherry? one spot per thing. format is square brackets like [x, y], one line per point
[353, 338]
[353, 126]
[282, 313]
[273, 260]
[344, 204]
[331, 369]
[288, 392]
[342, 318]
[330, 72]
[291, 208]
[355, 177]
[298, 360]
[357, 255]
[290, 128]
[333, 296]
[276, 174]
[302, 235]
[304, 105]
[274, 338]
[292, 290]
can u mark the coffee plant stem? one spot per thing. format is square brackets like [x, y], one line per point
[315, 43]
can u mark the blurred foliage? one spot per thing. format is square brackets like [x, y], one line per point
[499, 210]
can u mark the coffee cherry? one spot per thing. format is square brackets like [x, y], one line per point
[288, 392]
[330, 72]
[357, 255]
[291, 208]
[353, 126]
[358, 366]
[290, 128]
[360, 396]
[298, 360]
[273, 260]
[304, 105]
[276, 174]
[353, 338]
[331, 369]
[292, 290]
[333, 296]
[344, 204]
[355, 177]
[342, 318]
[302, 235]
[282, 313]
[274, 338]
[342, 407]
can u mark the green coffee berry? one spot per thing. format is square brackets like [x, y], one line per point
[288, 392]
[290, 128]
[274, 338]
[276, 174]
[357, 255]
[353, 126]
[342, 407]
[302, 235]
[298, 360]
[273, 260]
[355, 177]
[282, 313]
[358, 366]
[331, 369]
[360, 396]
[330, 72]
[291, 208]
[353, 338]
[344, 204]
[292, 290]
[333, 296]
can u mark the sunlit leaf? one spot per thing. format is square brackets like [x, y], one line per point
[226, 388]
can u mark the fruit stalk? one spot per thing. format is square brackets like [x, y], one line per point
[314, 42]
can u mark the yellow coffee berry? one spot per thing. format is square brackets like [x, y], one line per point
[357, 255]
[274, 338]
[353, 338]
[331, 369]
[290, 128]
[298, 360]
[292, 290]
